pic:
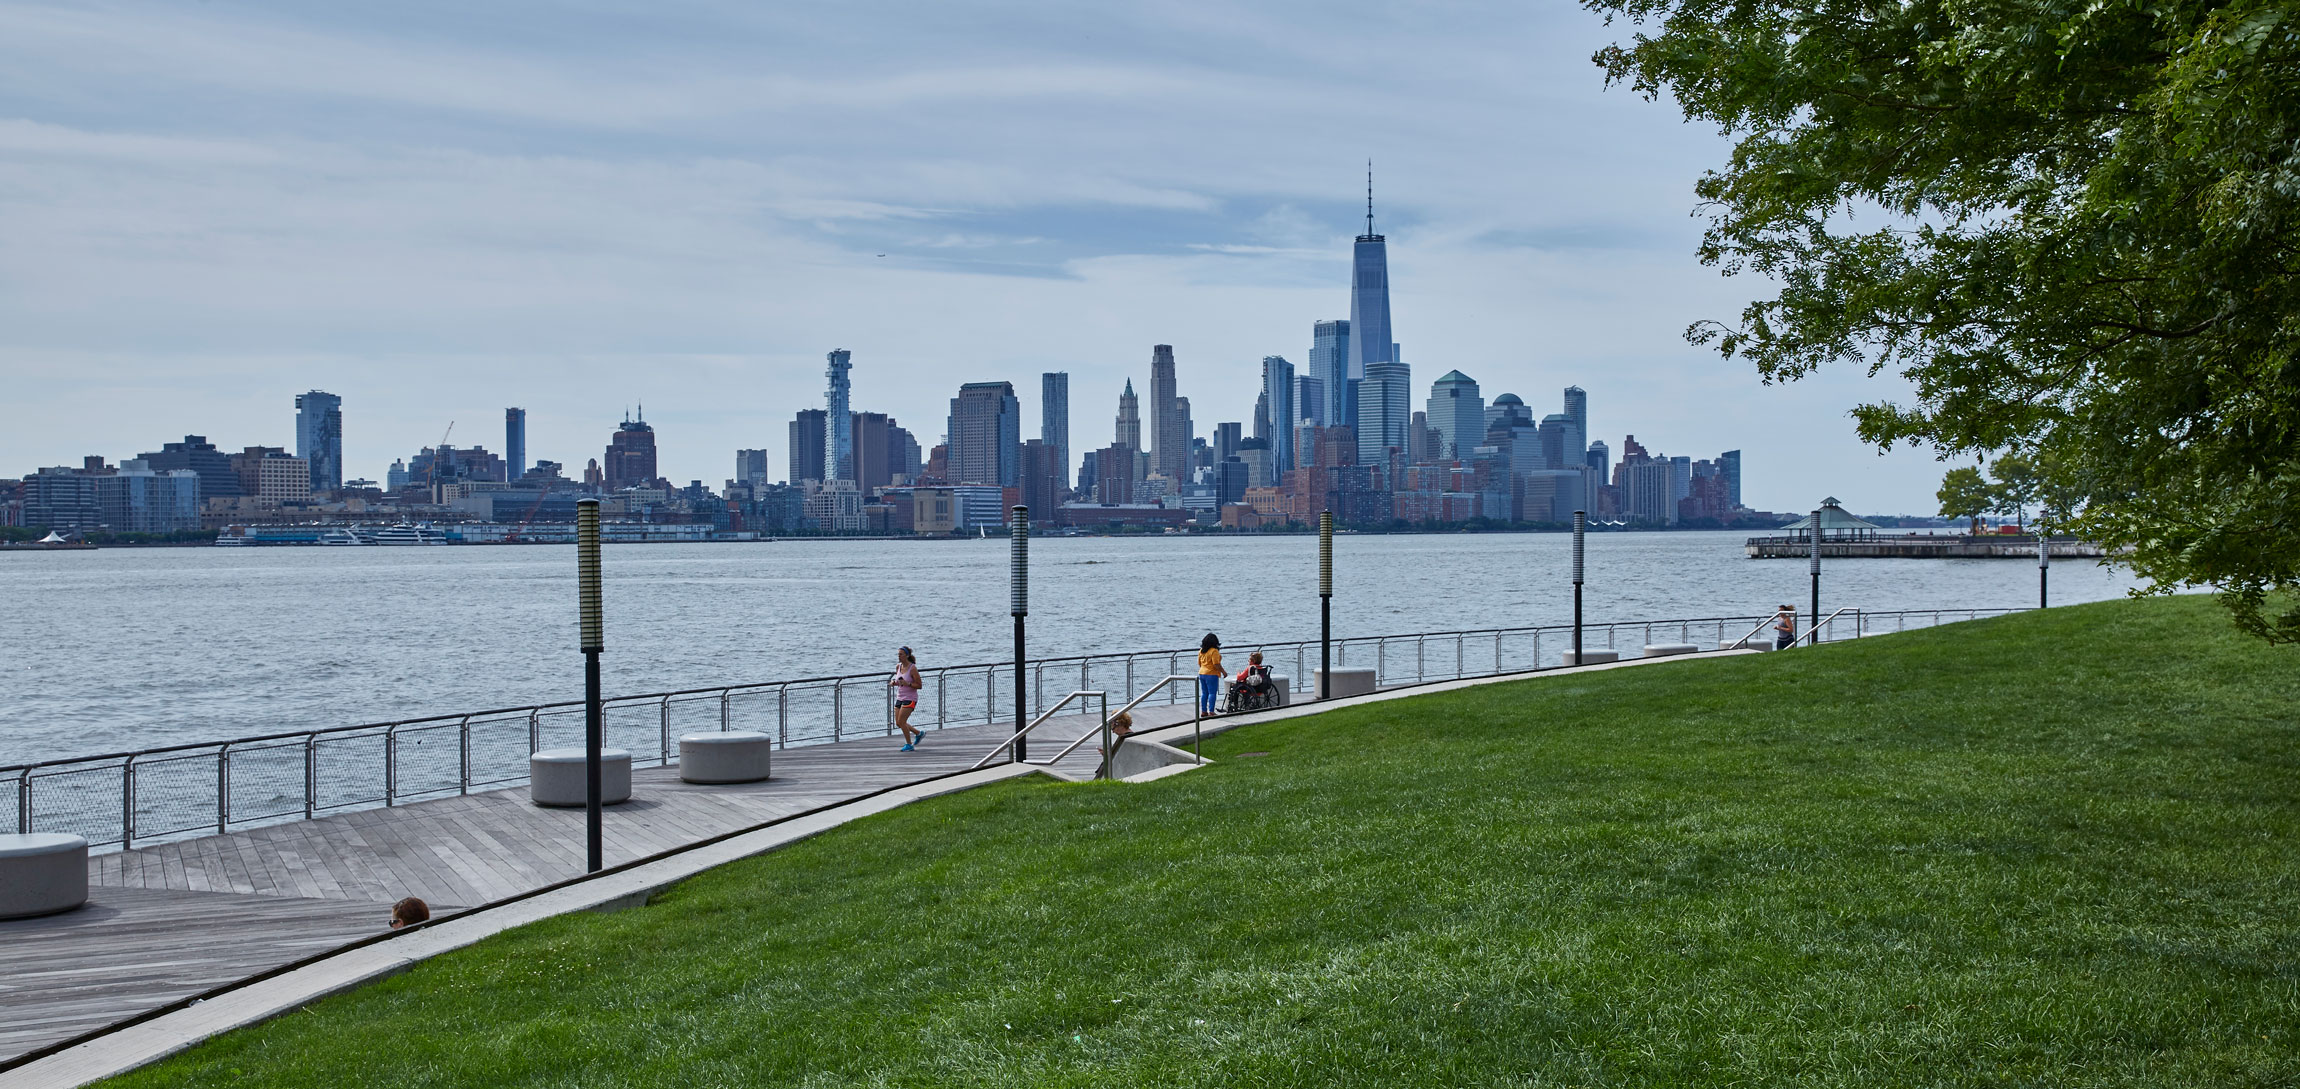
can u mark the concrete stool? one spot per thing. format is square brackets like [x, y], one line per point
[1346, 682]
[555, 777]
[725, 756]
[1660, 650]
[1591, 656]
[42, 873]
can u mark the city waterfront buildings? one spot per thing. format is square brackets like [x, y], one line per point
[319, 439]
[985, 435]
[1054, 421]
[808, 445]
[630, 460]
[1457, 412]
[1330, 369]
[838, 419]
[514, 443]
[1169, 439]
[1279, 414]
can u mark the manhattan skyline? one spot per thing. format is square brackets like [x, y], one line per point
[433, 246]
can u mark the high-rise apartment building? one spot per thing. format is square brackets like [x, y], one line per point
[1042, 482]
[838, 418]
[1458, 414]
[217, 477]
[751, 468]
[986, 435]
[1600, 457]
[1385, 411]
[630, 460]
[1227, 435]
[1729, 467]
[1330, 369]
[1054, 420]
[1577, 407]
[1278, 405]
[1169, 445]
[514, 443]
[319, 438]
[878, 450]
[808, 445]
[283, 479]
[139, 499]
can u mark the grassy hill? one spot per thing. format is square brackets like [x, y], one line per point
[2056, 849]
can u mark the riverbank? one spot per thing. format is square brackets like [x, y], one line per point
[2052, 849]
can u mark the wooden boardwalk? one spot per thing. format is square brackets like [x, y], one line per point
[174, 920]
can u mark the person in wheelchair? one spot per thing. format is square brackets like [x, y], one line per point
[1252, 689]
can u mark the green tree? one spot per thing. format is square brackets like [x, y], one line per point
[2015, 487]
[1965, 494]
[2072, 225]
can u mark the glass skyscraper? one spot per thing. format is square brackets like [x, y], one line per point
[1387, 411]
[1054, 420]
[319, 438]
[1278, 407]
[514, 443]
[839, 421]
[1330, 368]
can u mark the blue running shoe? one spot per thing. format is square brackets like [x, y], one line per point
[908, 746]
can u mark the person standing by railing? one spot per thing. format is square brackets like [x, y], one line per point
[1209, 674]
[1785, 627]
[906, 683]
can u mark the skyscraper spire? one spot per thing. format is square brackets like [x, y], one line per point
[1369, 196]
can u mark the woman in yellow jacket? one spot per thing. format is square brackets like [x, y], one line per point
[1209, 673]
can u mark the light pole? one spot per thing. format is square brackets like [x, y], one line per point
[1325, 603]
[1813, 622]
[2043, 561]
[1580, 528]
[1019, 587]
[594, 629]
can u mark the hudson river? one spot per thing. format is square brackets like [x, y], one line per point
[132, 648]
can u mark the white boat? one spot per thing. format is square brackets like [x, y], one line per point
[405, 533]
[340, 537]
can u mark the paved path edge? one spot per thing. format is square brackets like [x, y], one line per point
[179, 1028]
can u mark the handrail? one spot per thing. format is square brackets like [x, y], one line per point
[1813, 630]
[1035, 723]
[1744, 640]
[1154, 689]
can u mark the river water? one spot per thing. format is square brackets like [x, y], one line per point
[132, 648]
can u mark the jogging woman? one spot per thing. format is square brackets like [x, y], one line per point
[1209, 673]
[906, 684]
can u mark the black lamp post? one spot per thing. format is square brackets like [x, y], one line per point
[2043, 561]
[1813, 623]
[1580, 529]
[1325, 603]
[1019, 587]
[594, 628]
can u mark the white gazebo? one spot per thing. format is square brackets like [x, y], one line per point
[1836, 524]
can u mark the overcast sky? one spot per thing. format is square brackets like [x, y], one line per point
[437, 210]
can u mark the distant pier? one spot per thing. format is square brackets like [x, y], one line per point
[1921, 547]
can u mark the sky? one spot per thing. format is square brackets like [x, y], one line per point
[438, 210]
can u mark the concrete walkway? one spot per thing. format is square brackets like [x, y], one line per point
[172, 921]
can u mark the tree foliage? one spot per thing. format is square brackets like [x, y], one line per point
[1966, 494]
[2073, 225]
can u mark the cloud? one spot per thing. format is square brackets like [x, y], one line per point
[440, 210]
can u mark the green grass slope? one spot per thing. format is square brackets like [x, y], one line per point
[2051, 849]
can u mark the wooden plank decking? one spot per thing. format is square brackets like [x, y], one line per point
[176, 919]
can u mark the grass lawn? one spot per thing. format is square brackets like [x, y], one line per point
[2057, 849]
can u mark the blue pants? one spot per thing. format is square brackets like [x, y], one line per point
[1209, 690]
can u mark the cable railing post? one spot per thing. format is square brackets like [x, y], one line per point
[838, 710]
[941, 697]
[310, 775]
[463, 730]
[726, 711]
[223, 787]
[24, 802]
[783, 715]
[534, 729]
[127, 802]
[390, 766]
[663, 731]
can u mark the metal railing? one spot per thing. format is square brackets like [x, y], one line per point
[1008, 742]
[126, 798]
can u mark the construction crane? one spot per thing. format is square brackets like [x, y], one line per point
[438, 454]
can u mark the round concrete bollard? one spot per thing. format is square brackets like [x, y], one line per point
[42, 873]
[725, 756]
[555, 777]
[1663, 650]
[1591, 656]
